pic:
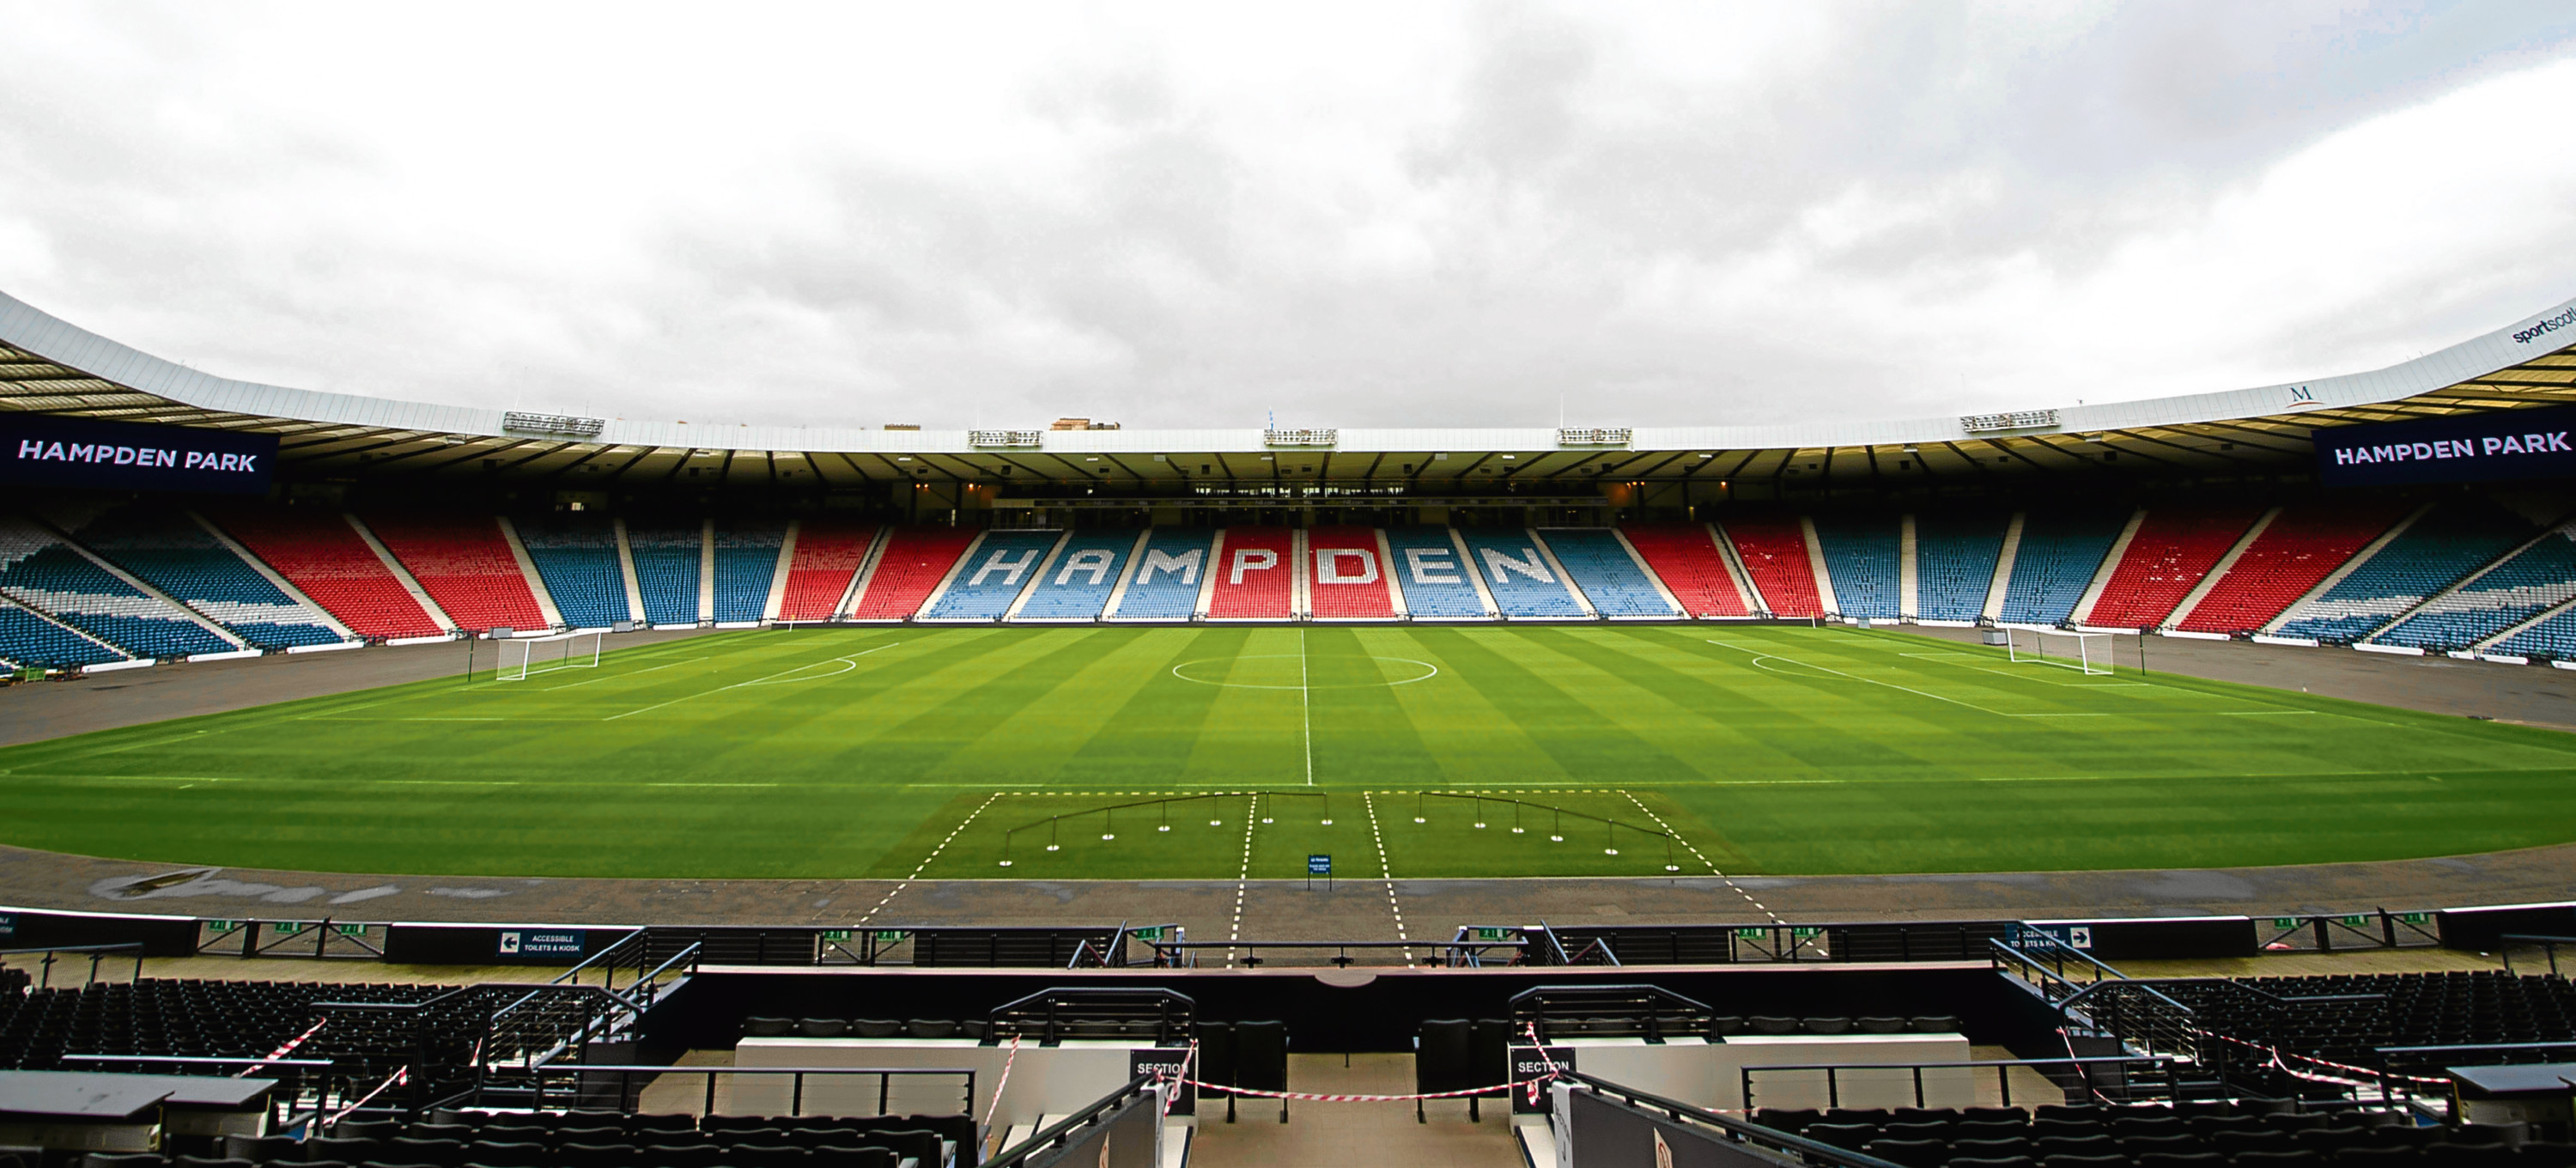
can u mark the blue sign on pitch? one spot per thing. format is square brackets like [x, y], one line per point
[1319, 864]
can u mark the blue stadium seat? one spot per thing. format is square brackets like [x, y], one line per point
[1432, 576]
[576, 555]
[40, 570]
[1518, 576]
[172, 552]
[666, 570]
[2448, 542]
[1167, 576]
[995, 572]
[1954, 563]
[2537, 578]
[1861, 558]
[28, 639]
[2059, 553]
[746, 564]
[1607, 574]
[2554, 639]
[1077, 585]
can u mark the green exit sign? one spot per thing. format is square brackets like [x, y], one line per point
[1752, 934]
[836, 936]
[2285, 922]
[890, 936]
[1146, 932]
[1488, 934]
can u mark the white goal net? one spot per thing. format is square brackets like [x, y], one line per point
[2084, 652]
[523, 656]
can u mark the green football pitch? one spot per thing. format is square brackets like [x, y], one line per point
[1217, 752]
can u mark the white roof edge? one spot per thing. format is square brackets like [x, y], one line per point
[50, 337]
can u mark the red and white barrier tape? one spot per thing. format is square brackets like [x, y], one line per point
[1312, 1097]
[402, 1074]
[2277, 1055]
[1553, 1071]
[995, 1107]
[1171, 1097]
[283, 1051]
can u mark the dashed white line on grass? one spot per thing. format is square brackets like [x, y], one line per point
[1387, 871]
[962, 825]
[1243, 876]
[1703, 858]
[616, 676]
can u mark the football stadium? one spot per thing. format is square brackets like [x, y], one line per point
[1471, 585]
[2147, 785]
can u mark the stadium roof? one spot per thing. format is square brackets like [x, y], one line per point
[51, 366]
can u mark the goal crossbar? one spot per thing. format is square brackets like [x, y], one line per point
[2088, 653]
[522, 656]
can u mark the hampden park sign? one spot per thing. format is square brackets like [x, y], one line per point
[44, 450]
[2512, 444]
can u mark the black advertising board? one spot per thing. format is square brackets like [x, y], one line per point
[1604, 1133]
[48, 450]
[2508, 444]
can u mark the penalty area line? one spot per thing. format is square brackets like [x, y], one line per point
[849, 659]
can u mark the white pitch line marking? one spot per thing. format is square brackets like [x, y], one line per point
[1243, 877]
[962, 824]
[617, 676]
[1387, 871]
[1703, 857]
[1305, 708]
[849, 661]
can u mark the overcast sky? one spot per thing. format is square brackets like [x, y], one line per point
[1407, 214]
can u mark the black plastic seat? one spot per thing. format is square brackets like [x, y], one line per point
[1849, 1136]
[2294, 1158]
[2181, 1160]
[875, 1027]
[1991, 1149]
[1825, 1025]
[1879, 1025]
[580, 1155]
[1917, 1130]
[822, 1027]
[1983, 1162]
[768, 1027]
[262, 1149]
[492, 1154]
[122, 1160]
[2050, 1147]
[931, 1028]
[1910, 1153]
[1766, 1024]
[855, 1157]
[1788, 1119]
[2175, 1145]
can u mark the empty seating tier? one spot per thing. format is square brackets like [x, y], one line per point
[1165, 582]
[1861, 558]
[327, 560]
[1076, 586]
[2059, 553]
[464, 564]
[576, 555]
[1954, 563]
[1685, 557]
[915, 560]
[1517, 574]
[1348, 582]
[997, 570]
[2174, 548]
[171, 551]
[746, 564]
[1433, 575]
[2438, 548]
[2536, 578]
[828, 556]
[1774, 553]
[1255, 574]
[203, 1019]
[1608, 575]
[2301, 546]
[40, 571]
[29, 639]
[667, 559]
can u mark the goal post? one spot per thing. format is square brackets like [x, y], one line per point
[522, 656]
[2088, 653]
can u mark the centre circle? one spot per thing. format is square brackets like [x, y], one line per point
[1215, 671]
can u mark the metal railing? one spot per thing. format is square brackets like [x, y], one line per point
[47, 958]
[1180, 954]
[1055, 1135]
[620, 1084]
[2324, 932]
[2547, 945]
[308, 939]
[1053, 1015]
[1794, 1148]
[1626, 1011]
[2082, 1071]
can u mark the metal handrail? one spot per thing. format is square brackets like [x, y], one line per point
[626, 1073]
[1833, 1093]
[2549, 945]
[45, 968]
[609, 955]
[1056, 1131]
[1744, 1130]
